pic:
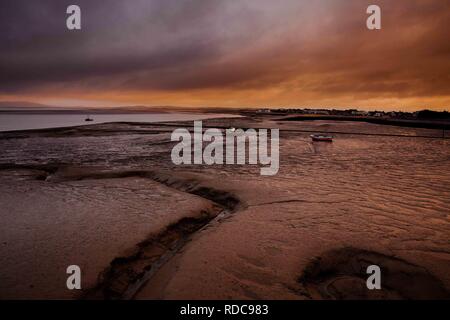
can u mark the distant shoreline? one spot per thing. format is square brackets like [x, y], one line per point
[424, 124]
[26, 121]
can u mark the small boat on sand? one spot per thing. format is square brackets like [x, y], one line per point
[321, 137]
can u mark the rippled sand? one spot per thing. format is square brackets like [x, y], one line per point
[377, 198]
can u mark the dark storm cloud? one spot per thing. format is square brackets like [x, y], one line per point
[321, 47]
[117, 38]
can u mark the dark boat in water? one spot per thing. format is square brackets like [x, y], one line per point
[88, 119]
[321, 138]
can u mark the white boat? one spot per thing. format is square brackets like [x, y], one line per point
[322, 137]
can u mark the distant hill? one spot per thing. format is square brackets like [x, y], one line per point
[32, 107]
[20, 105]
[433, 115]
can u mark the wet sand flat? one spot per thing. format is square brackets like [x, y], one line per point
[376, 199]
[47, 226]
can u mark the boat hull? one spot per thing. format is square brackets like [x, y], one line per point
[322, 138]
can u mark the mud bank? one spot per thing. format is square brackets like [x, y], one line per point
[126, 274]
[140, 227]
[442, 125]
[341, 274]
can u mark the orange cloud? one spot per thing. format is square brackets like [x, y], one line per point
[241, 54]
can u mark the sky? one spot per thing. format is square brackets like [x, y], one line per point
[227, 53]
